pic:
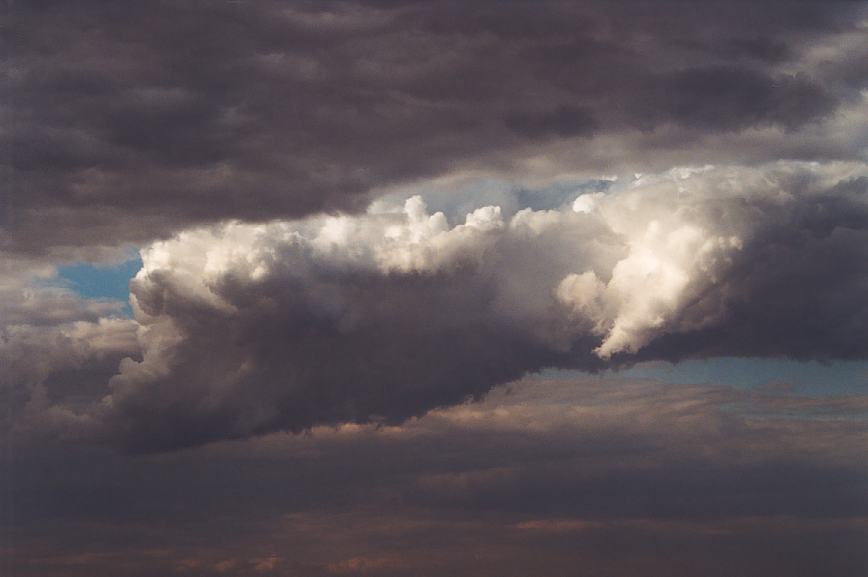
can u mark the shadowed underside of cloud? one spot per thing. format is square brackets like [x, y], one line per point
[247, 329]
[128, 122]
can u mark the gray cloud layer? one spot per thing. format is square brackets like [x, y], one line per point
[126, 121]
[586, 477]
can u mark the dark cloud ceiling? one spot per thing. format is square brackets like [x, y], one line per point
[127, 121]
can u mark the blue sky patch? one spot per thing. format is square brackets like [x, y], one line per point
[93, 281]
[809, 378]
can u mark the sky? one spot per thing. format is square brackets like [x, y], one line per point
[392, 287]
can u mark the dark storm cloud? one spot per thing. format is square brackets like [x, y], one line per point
[126, 121]
[616, 477]
[731, 98]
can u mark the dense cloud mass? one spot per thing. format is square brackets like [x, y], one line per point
[248, 329]
[125, 121]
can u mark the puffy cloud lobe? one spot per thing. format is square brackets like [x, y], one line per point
[248, 329]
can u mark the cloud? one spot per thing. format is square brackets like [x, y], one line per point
[591, 470]
[356, 216]
[57, 350]
[132, 123]
[248, 329]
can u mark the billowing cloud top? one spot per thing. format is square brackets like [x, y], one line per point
[247, 329]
